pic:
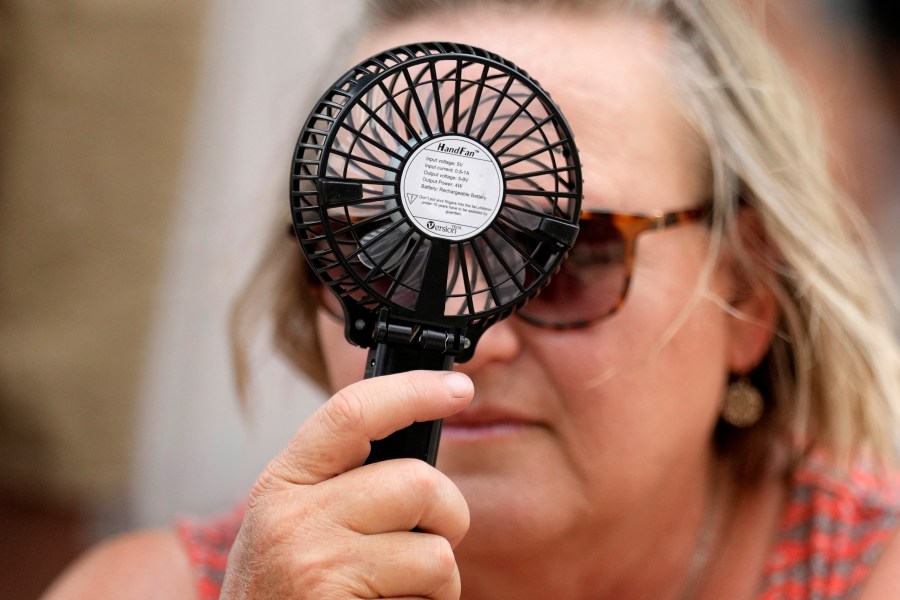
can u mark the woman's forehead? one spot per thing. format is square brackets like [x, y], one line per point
[611, 77]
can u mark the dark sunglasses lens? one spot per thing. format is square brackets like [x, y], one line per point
[591, 283]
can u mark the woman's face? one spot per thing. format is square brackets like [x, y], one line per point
[605, 427]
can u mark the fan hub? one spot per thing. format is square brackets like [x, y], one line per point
[452, 188]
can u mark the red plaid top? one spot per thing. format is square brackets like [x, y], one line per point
[832, 532]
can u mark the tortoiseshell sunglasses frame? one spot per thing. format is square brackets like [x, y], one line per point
[629, 226]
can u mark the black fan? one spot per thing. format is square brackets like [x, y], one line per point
[435, 188]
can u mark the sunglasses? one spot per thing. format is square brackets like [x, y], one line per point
[593, 282]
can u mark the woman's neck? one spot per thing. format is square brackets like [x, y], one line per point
[738, 561]
[707, 540]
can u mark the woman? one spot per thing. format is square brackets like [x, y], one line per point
[726, 430]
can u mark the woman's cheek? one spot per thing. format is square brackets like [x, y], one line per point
[345, 362]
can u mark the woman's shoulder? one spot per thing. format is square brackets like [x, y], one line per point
[144, 564]
[884, 583]
[838, 532]
[878, 491]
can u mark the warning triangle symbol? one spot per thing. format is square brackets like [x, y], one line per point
[411, 198]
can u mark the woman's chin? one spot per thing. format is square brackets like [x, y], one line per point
[512, 494]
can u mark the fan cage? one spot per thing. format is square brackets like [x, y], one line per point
[362, 132]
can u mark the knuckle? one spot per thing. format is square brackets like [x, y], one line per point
[345, 410]
[424, 479]
[442, 558]
[462, 522]
[414, 387]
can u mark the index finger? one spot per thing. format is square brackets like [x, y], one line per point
[336, 437]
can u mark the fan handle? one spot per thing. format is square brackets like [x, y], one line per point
[402, 346]
[419, 440]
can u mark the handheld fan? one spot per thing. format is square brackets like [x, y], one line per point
[435, 188]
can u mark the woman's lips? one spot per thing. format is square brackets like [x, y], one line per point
[478, 426]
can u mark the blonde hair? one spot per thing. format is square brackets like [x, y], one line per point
[832, 375]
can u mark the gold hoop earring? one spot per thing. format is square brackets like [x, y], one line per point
[743, 404]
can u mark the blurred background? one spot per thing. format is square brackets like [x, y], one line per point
[144, 148]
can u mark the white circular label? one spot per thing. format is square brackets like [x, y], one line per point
[451, 188]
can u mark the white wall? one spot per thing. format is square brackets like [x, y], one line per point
[265, 62]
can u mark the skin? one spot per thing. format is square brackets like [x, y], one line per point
[579, 464]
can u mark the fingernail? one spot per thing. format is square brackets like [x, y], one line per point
[459, 385]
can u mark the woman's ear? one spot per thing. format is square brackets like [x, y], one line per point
[754, 303]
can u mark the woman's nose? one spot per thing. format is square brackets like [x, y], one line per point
[498, 344]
